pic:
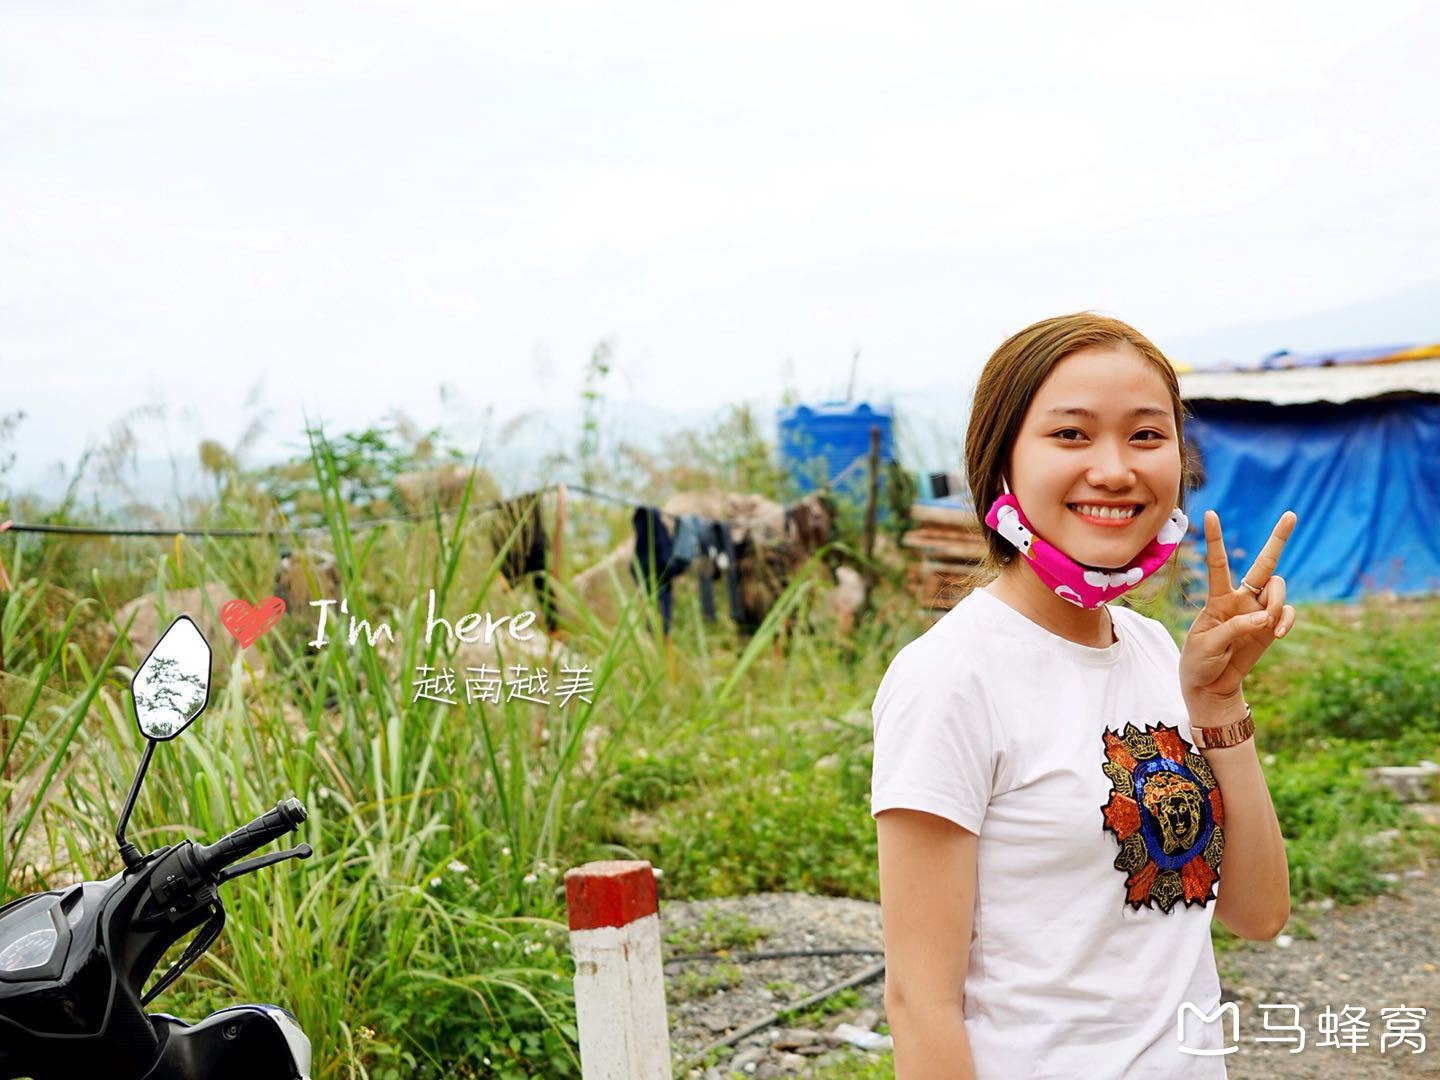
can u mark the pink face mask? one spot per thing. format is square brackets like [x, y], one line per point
[1081, 585]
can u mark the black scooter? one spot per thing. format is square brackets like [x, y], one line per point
[73, 961]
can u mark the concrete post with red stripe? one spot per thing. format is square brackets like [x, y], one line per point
[619, 981]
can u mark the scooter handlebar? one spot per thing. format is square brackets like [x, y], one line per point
[268, 827]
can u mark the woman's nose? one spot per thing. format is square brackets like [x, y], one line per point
[1110, 468]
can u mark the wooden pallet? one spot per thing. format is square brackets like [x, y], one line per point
[945, 548]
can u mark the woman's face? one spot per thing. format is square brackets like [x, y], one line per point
[1096, 463]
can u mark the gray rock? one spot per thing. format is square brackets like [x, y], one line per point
[1409, 783]
[790, 1038]
[748, 1058]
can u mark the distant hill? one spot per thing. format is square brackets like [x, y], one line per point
[1409, 317]
[930, 421]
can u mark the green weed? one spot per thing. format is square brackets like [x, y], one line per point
[715, 933]
[816, 1015]
[697, 982]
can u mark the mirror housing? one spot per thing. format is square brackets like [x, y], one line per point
[169, 690]
[172, 687]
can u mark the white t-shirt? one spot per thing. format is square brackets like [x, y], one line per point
[1076, 967]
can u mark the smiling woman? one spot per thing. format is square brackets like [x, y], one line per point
[1058, 790]
[1094, 469]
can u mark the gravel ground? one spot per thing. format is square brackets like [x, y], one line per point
[1383, 954]
[789, 921]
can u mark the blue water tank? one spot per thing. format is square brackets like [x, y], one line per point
[830, 443]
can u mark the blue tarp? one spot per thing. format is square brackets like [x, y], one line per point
[1287, 359]
[1363, 479]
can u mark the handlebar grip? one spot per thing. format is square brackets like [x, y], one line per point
[269, 826]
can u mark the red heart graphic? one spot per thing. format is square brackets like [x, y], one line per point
[247, 623]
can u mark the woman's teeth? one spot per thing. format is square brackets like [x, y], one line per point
[1104, 511]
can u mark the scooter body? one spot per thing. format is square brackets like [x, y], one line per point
[239, 1043]
[74, 961]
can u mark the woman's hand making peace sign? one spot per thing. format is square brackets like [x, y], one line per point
[1238, 622]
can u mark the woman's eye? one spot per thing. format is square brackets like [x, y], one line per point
[1150, 435]
[1069, 434]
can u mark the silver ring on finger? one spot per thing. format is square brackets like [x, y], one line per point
[1253, 589]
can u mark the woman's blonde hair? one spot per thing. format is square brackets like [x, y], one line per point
[1009, 381]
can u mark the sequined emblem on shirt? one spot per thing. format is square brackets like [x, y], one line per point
[1166, 813]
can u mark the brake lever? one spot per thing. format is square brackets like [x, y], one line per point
[202, 941]
[249, 866]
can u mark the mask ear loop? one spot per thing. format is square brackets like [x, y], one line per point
[1003, 485]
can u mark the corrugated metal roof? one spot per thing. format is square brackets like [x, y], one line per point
[1283, 359]
[1378, 354]
[1293, 386]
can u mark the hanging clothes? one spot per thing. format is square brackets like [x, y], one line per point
[655, 560]
[715, 556]
[705, 575]
[807, 528]
[687, 538]
[689, 548]
[719, 551]
[525, 559]
[762, 569]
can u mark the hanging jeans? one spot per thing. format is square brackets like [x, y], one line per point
[655, 561]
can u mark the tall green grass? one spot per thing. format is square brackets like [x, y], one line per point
[424, 938]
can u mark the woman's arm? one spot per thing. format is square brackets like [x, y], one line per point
[1254, 895]
[927, 908]
[1233, 631]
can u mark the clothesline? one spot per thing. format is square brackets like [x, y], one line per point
[706, 542]
[167, 531]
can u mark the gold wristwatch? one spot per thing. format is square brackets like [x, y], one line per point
[1223, 735]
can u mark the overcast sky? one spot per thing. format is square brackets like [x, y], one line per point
[351, 205]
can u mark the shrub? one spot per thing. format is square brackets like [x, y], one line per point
[1375, 682]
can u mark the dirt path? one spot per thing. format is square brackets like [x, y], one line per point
[1379, 955]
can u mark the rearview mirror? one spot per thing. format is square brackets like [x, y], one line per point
[173, 684]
